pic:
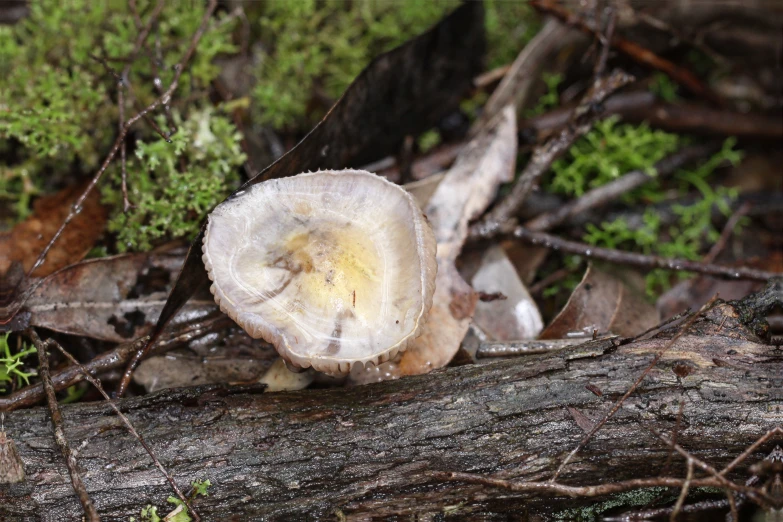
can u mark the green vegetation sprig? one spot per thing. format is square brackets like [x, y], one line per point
[11, 365]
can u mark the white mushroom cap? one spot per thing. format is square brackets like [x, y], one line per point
[333, 268]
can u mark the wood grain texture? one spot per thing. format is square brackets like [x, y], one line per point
[368, 451]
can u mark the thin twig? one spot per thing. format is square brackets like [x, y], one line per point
[683, 492]
[666, 322]
[633, 50]
[642, 106]
[551, 279]
[640, 260]
[115, 358]
[515, 85]
[163, 99]
[59, 435]
[606, 42]
[757, 495]
[95, 382]
[582, 119]
[750, 449]
[488, 349]
[726, 233]
[598, 425]
[487, 78]
[126, 206]
[733, 511]
[574, 491]
[609, 192]
[144, 32]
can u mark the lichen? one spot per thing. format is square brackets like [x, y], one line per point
[592, 512]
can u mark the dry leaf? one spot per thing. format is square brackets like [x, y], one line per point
[463, 194]
[604, 302]
[27, 239]
[517, 316]
[113, 299]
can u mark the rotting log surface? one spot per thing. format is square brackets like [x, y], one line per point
[367, 451]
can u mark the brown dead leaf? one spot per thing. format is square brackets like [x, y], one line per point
[604, 302]
[463, 194]
[27, 239]
[113, 299]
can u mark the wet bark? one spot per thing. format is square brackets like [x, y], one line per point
[368, 451]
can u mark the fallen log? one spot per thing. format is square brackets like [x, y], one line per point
[371, 452]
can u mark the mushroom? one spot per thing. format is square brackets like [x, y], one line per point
[334, 268]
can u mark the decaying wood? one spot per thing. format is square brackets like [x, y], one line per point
[372, 451]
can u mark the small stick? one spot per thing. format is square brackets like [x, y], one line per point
[488, 78]
[606, 42]
[611, 191]
[115, 358]
[574, 491]
[665, 322]
[759, 496]
[640, 260]
[598, 425]
[750, 449]
[488, 349]
[683, 492]
[95, 382]
[582, 119]
[59, 435]
[639, 106]
[633, 50]
[126, 206]
[163, 99]
[726, 233]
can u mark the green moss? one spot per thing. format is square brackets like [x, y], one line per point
[607, 152]
[664, 87]
[174, 185]
[59, 105]
[550, 99]
[686, 238]
[428, 140]
[323, 46]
